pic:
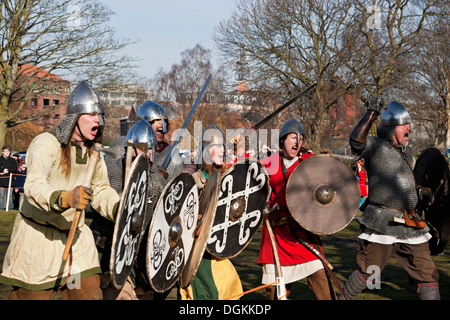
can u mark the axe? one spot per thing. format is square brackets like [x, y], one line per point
[281, 289]
[114, 152]
[76, 218]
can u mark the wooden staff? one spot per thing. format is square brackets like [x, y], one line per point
[282, 289]
[76, 218]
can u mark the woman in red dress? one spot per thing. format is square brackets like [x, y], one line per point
[361, 175]
[297, 262]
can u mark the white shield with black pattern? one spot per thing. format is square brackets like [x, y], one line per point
[171, 233]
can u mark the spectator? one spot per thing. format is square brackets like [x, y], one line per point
[7, 166]
[361, 175]
[20, 181]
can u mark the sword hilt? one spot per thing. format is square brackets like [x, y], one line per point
[163, 172]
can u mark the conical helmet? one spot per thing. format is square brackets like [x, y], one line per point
[142, 136]
[394, 114]
[292, 126]
[84, 99]
[151, 111]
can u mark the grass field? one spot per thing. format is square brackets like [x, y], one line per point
[340, 250]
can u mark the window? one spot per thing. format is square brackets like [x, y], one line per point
[34, 102]
[55, 102]
[46, 102]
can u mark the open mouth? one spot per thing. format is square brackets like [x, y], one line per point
[94, 130]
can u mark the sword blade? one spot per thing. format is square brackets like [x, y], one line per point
[277, 111]
[169, 156]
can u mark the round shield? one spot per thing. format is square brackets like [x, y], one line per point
[432, 171]
[322, 194]
[244, 191]
[171, 233]
[207, 210]
[129, 222]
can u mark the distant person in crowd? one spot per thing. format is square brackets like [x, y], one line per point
[8, 166]
[20, 181]
[361, 175]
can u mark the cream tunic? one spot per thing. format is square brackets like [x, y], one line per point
[33, 259]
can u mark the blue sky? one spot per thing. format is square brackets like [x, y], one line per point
[167, 28]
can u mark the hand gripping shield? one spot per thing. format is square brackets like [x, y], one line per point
[322, 194]
[207, 210]
[171, 233]
[432, 171]
[129, 222]
[244, 191]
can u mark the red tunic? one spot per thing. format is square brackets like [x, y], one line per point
[290, 251]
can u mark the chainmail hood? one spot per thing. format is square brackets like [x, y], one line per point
[64, 129]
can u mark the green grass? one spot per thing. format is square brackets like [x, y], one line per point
[340, 250]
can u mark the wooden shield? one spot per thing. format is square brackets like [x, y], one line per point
[171, 233]
[128, 229]
[432, 171]
[207, 208]
[244, 191]
[322, 194]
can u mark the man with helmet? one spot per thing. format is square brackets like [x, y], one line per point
[57, 165]
[142, 139]
[390, 224]
[155, 114]
[297, 261]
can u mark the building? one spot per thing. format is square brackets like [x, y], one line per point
[127, 95]
[49, 92]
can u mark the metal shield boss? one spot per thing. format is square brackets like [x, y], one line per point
[171, 233]
[432, 171]
[129, 222]
[207, 211]
[322, 194]
[244, 191]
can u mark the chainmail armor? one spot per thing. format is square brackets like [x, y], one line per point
[157, 183]
[116, 167]
[391, 185]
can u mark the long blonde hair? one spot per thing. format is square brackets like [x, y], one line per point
[65, 162]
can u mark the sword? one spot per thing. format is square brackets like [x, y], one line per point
[259, 124]
[162, 168]
[277, 111]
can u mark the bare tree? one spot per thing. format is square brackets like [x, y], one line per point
[184, 80]
[293, 43]
[428, 85]
[68, 37]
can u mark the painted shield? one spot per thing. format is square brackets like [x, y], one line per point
[244, 191]
[322, 194]
[432, 171]
[171, 233]
[128, 229]
[207, 211]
